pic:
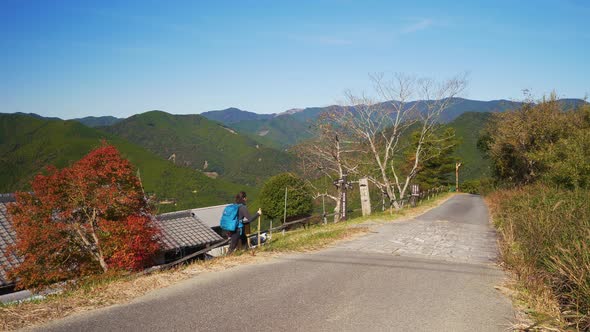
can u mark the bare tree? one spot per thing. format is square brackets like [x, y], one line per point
[330, 154]
[380, 122]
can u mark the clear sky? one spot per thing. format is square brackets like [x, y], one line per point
[78, 58]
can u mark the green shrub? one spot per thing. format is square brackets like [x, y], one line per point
[540, 141]
[479, 186]
[471, 186]
[272, 197]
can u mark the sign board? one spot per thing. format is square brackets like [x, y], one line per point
[415, 190]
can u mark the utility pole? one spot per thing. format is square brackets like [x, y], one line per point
[457, 165]
[343, 185]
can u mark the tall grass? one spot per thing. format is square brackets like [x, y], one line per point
[545, 240]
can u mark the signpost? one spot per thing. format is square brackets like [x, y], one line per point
[415, 194]
[365, 197]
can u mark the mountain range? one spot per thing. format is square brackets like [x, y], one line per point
[29, 144]
[286, 129]
[199, 160]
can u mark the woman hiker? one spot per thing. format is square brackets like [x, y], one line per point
[244, 216]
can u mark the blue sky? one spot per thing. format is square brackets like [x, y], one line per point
[78, 58]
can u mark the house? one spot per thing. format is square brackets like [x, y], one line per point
[183, 233]
[7, 238]
[210, 215]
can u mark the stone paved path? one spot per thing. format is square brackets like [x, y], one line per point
[455, 232]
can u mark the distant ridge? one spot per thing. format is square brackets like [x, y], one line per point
[98, 121]
[233, 115]
[34, 115]
[288, 128]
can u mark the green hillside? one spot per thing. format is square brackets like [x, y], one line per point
[280, 132]
[28, 144]
[196, 142]
[467, 128]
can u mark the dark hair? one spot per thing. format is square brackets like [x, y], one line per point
[240, 197]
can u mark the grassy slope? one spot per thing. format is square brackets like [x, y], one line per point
[195, 139]
[29, 144]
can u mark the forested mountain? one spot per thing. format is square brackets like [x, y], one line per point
[233, 115]
[274, 130]
[98, 121]
[29, 144]
[467, 129]
[196, 142]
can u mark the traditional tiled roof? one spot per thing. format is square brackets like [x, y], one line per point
[7, 238]
[184, 229]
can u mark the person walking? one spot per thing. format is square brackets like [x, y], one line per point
[239, 235]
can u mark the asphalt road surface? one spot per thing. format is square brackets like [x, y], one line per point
[435, 272]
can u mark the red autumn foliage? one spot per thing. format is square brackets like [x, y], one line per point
[131, 248]
[82, 220]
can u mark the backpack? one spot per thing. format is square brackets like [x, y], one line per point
[229, 218]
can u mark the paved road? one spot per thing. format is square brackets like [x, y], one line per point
[431, 273]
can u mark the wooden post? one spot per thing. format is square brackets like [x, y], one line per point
[285, 212]
[457, 165]
[258, 242]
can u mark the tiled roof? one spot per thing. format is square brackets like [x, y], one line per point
[7, 238]
[183, 229]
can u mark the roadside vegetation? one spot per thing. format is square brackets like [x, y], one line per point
[541, 163]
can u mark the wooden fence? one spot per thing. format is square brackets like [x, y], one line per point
[305, 222]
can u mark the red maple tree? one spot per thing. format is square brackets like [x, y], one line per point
[84, 219]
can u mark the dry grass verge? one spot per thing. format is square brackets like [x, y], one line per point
[106, 291]
[545, 244]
